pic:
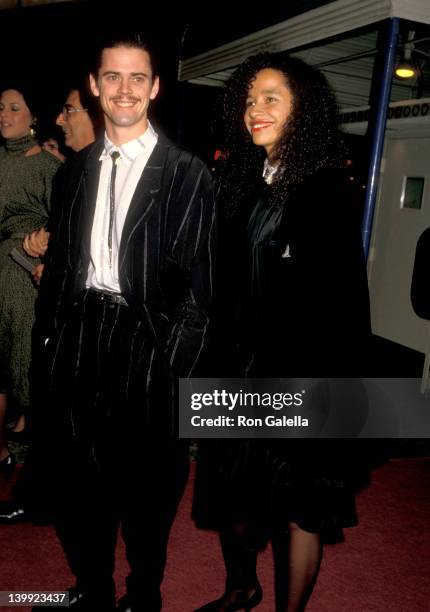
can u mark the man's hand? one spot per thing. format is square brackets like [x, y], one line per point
[36, 243]
[51, 145]
[37, 274]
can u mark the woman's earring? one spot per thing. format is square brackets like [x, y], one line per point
[33, 128]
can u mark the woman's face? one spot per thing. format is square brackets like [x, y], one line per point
[268, 106]
[15, 116]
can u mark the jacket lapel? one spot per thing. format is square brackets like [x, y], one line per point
[145, 196]
[90, 187]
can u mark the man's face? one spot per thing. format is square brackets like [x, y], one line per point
[125, 85]
[75, 122]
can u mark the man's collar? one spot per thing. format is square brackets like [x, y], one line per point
[130, 150]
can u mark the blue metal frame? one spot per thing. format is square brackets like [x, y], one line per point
[383, 101]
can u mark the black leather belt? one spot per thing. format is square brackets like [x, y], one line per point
[107, 296]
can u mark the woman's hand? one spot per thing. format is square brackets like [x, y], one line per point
[36, 243]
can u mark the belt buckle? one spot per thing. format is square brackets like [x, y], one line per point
[101, 295]
[114, 298]
[109, 297]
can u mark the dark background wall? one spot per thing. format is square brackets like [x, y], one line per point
[47, 45]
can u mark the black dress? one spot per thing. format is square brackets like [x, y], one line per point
[302, 310]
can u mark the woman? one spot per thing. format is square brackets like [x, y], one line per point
[291, 225]
[26, 174]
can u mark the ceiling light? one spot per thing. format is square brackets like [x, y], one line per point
[406, 68]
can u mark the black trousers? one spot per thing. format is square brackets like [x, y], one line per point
[115, 458]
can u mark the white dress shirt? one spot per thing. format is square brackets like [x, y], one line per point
[269, 171]
[134, 155]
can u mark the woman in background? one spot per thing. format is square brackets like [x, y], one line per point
[26, 174]
[292, 269]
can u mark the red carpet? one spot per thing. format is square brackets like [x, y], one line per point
[382, 566]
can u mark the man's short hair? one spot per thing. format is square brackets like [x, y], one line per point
[130, 40]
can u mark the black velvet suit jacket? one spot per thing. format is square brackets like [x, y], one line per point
[301, 291]
[315, 314]
[166, 249]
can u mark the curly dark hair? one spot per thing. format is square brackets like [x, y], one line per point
[310, 140]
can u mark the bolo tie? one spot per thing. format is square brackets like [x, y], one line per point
[114, 155]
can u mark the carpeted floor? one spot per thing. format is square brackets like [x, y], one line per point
[383, 565]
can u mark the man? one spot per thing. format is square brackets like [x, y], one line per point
[80, 119]
[122, 313]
